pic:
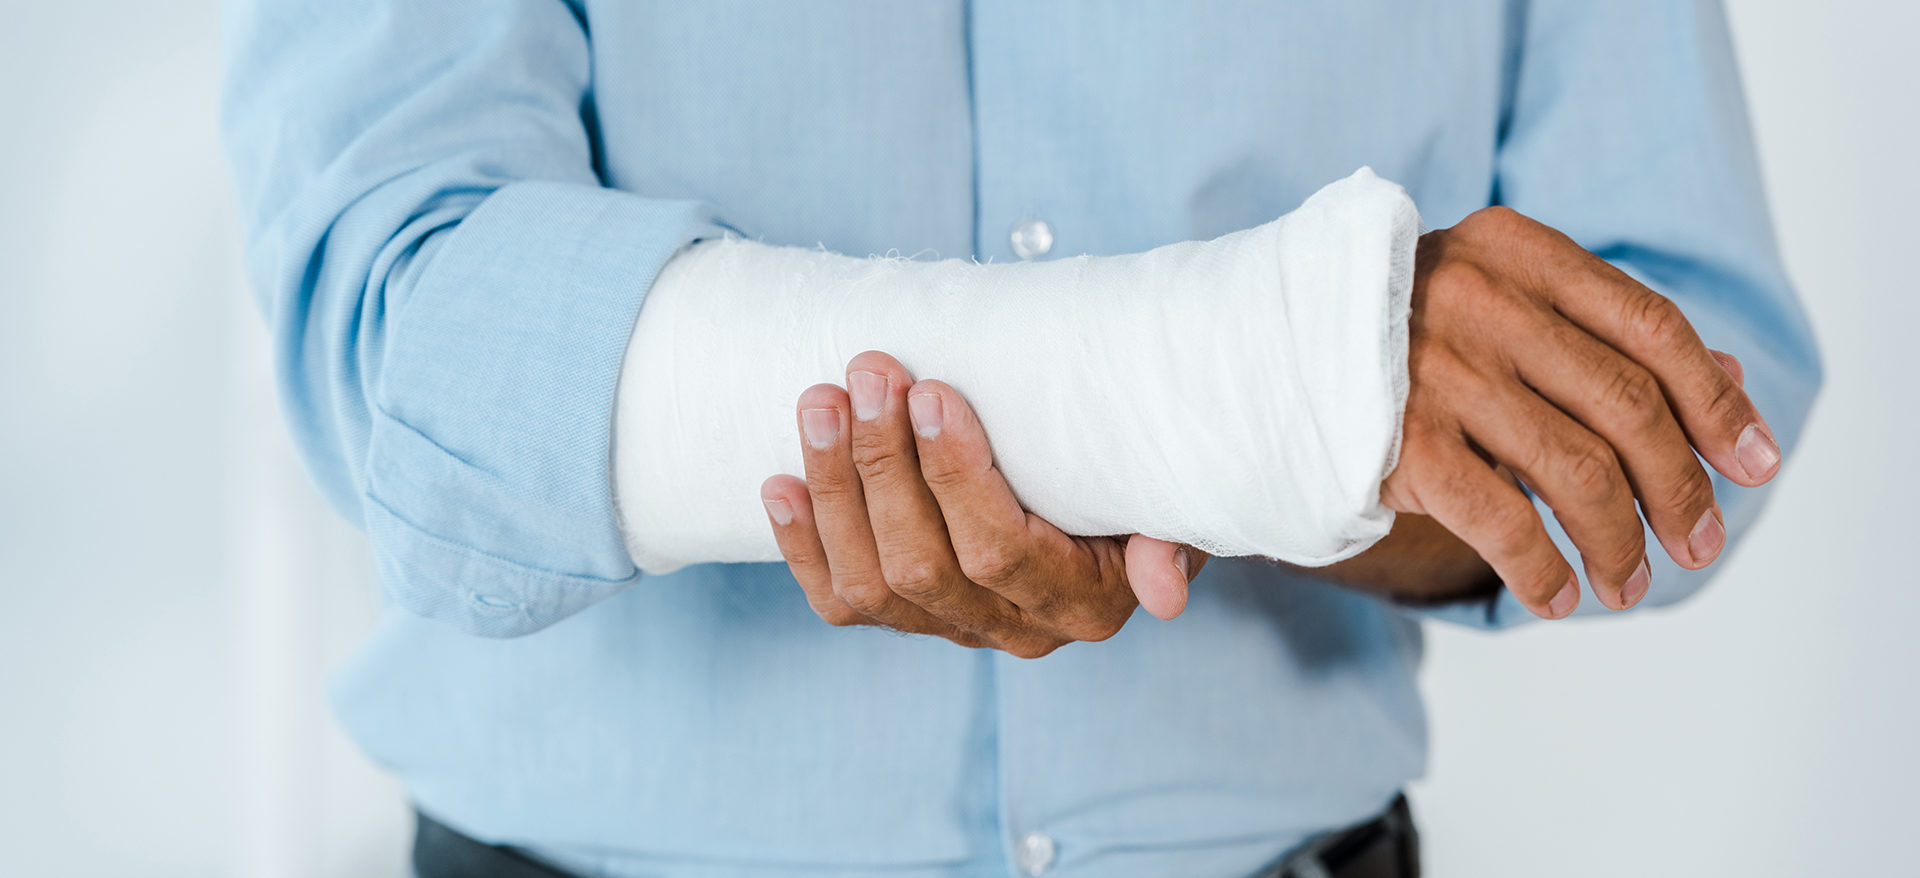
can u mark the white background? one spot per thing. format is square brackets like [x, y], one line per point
[173, 593]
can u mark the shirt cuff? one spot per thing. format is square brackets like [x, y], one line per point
[491, 505]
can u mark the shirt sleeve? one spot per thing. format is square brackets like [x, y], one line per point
[1627, 130]
[449, 287]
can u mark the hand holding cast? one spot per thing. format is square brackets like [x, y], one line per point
[903, 521]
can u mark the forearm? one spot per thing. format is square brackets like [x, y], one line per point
[1241, 395]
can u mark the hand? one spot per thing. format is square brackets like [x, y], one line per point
[1527, 351]
[903, 521]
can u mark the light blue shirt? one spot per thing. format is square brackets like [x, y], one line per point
[455, 209]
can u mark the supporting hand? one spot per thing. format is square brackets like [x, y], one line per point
[903, 521]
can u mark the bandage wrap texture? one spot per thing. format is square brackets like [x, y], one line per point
[1242, 395]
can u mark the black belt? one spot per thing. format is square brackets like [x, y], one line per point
[1384, 847]
[440, 851]
[1388, 846]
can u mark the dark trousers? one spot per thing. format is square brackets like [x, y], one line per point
[440, 851]
[1385, 847]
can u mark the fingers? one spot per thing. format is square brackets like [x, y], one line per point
[903, 521]
[1159, 572]
[1622, 402]
[840, 515]
[1705, 395]
[1463, 493]
[1731, 363]
[988, 527]
[1612, 402]
[1075, 587]
[915, 553]
[791, 513]
[1578, 475]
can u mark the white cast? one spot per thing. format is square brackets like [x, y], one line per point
[1242, 395]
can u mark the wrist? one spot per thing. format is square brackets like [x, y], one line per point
[1418, 563]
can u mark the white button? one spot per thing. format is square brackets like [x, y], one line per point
[1031, 238]
[1036, 850]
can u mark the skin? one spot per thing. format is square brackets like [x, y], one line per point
[1531, 362]
[1533, 354]
[903, 521]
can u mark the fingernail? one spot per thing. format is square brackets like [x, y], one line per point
[822, 427]
[782, 512]
[1707, 538]
[1758, 455]
[1568, 598]
[1637, 584]
[869, 393]
[924, 409]
[1184, 564]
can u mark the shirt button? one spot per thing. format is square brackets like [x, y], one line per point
[494, 601]
[1031, 238]
[1035, 853]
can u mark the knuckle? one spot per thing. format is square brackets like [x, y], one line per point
[1657, 319]
[1635, 395]
[1542, 585]
[919, 578]
[800, 558]
[1512, 529]
[1501, 213]
[1729, 407]
[1688, 494]
[828, 487]
[1433, 363]
[1459, 278]
[943, 472]
[994, 565]
[1593, 471]
[1497, 219]
[1625, 554]
[874, 451]
[867, 598]
[1440, 377]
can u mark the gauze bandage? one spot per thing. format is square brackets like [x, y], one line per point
[1242, 395]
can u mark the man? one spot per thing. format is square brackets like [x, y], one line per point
[456, 211]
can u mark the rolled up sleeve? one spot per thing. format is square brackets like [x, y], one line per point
[449, 286]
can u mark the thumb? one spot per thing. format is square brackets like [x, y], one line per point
[1159, 572]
